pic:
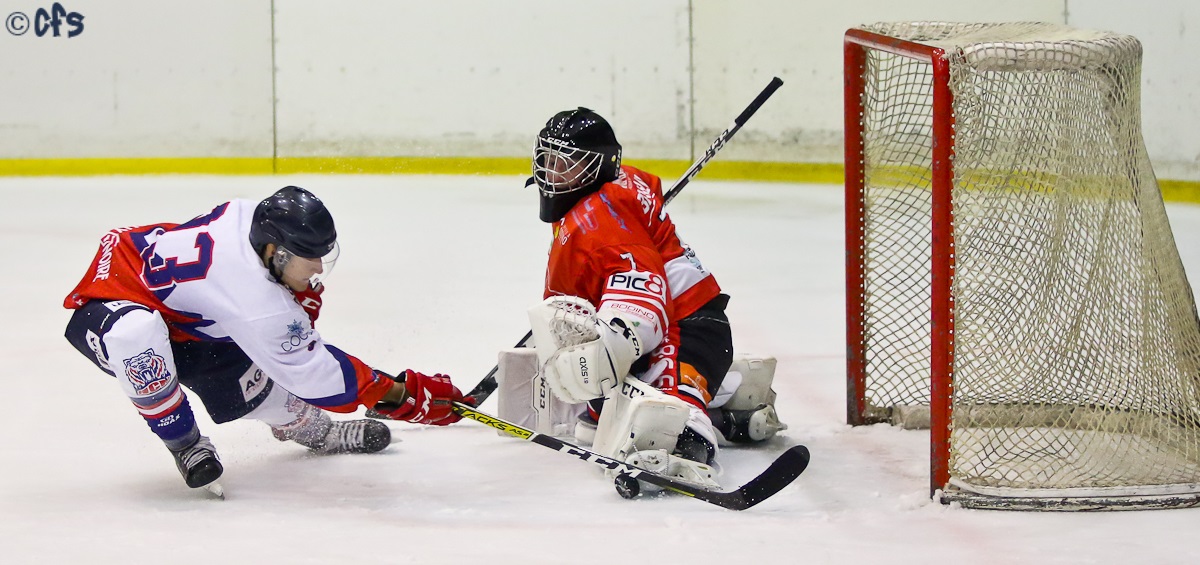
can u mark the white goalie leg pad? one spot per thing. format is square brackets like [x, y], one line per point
[524, 398]
[581, 358]
[585, 431]
[752, 376]
[686, 470]
[747, 401]
[639, 417]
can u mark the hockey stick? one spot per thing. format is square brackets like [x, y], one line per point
[721, 140]
[488, 385]
[778, 475]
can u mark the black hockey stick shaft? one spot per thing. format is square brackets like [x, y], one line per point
[488, 385]
[724, 138]
[778, 475]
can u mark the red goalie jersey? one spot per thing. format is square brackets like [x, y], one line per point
[617, 249]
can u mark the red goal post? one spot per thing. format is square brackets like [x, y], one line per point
[856, 45]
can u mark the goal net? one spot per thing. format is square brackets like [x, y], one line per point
[1012, 279]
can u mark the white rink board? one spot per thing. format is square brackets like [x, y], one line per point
[477, 78]
[144, 78]
[470, 77]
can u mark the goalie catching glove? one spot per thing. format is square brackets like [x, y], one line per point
[582, 356]
[427, 400]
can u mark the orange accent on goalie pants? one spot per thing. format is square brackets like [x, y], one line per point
[689, 376]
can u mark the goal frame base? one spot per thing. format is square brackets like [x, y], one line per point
[1062, 501]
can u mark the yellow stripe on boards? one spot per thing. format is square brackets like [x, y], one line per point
[1180, 190]
[405, 165]
[136, 166]
[668, 169]
[808, 173]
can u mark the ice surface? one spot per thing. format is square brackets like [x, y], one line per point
[436, 274]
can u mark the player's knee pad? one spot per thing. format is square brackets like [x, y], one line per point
[524, 397]
[90, 325]
[140, 355]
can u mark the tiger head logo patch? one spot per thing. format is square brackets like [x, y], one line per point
[147, 372]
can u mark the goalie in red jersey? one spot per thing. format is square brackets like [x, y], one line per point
[633, 324]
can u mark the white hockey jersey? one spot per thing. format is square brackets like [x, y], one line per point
[205, 279]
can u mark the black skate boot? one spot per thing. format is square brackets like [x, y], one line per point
[693, 446]
[198, 463]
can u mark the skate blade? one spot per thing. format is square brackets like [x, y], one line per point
[214, 488]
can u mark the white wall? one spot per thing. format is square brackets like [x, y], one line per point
[475, 77]
[1170, 34]
[145, 78]
[740, 44]
[478, 78]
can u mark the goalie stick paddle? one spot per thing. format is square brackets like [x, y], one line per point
[488, 385]
[778, 475]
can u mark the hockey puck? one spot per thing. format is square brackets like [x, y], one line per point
[627, 486]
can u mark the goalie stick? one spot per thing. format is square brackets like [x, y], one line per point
[488, 385]
[778, 475]
[720, 142]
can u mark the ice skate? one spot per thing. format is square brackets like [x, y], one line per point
[327, 437]
[198, 463]
[356, 436]
[694, 446]
[747, 426]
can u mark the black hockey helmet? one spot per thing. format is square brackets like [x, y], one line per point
[299, 225]
[576, 153]
[295, 219]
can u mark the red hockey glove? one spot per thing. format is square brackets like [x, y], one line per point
[428, 400]
[310, 300]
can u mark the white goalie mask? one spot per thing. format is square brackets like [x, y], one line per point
[560, 168]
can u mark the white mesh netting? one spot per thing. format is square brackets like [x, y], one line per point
[1077, 345]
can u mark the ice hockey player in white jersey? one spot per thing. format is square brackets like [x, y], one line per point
[225, 305]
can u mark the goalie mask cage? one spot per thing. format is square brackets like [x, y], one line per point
[1012, 280]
